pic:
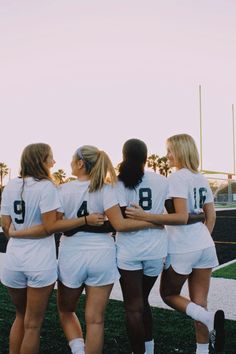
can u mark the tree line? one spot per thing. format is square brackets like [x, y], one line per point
[154, 161]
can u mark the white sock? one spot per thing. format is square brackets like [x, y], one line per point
[198, 313]
[149, 347]
[77, 346]
[202, 348]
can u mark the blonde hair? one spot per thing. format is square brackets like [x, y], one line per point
[33, 160]
[184, 151]
[98, 165]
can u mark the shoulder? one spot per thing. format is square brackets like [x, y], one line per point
[45, 183]
[119, 186]
[107, 187]
[183, 174]
[13, 183]
[153, 176]
[73, 186]
[67, 185]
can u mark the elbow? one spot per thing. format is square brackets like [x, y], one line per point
[210, 219]
[214, 218]
[183, 219]
[118, 227]
[5, 231]
[49, 230]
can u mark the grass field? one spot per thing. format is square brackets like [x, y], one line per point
[173, 332]
[225, 205]
[228, 272]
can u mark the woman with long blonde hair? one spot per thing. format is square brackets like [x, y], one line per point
[191, 250]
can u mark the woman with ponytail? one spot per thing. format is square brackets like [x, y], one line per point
[88, 259]
[140, 254]
[30, 203]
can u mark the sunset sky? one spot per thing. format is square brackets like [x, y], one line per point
[100, 72]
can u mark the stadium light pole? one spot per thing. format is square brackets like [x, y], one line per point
[233, 137]
[200, 116]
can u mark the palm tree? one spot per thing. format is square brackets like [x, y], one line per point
[163, 166]
[3, 172]
[69, 179]
[159, 164]
[59, 176]
[152, 161]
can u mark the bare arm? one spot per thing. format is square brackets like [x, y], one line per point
[192, 218]
[36, 231]
[210, 214]
[6, 223]
[180, 217]
[52, 222]
[105, 228]
[119, 223]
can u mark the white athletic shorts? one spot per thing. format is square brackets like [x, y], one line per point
[184, 263]
[23, 279]
[151, 268]
[91, 267]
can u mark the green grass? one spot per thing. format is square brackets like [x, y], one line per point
[227, 272]
[225, 205]
[173, 332]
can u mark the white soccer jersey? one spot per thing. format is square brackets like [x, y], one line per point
[195, 188]
[77, 201]
[38, 197]
[146, 244]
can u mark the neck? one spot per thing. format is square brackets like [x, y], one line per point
[83, 177]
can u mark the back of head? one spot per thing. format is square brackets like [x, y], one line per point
[33, 160]
[184, 150]
[98, 166]
[131, 169]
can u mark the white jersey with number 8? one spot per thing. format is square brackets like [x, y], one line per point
[147, 244]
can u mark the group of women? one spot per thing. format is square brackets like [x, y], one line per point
[86, 210]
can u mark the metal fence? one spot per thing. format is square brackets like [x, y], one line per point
[224, 191]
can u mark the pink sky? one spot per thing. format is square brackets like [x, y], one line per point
[101, 72]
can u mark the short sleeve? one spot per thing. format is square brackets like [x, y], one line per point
[60, 196]
[109, 197]
[49, 198]
[120, 194]
[177, 187]
[209, 195]
[5, 207]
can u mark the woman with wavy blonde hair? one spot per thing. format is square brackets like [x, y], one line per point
[191, 250]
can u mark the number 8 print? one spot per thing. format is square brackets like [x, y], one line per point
[145, 198]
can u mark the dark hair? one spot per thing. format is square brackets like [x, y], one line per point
[131, 169]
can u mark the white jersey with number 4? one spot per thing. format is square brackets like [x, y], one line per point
[195, 188]
[77, 201]
[145, 244]
[25, 209]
